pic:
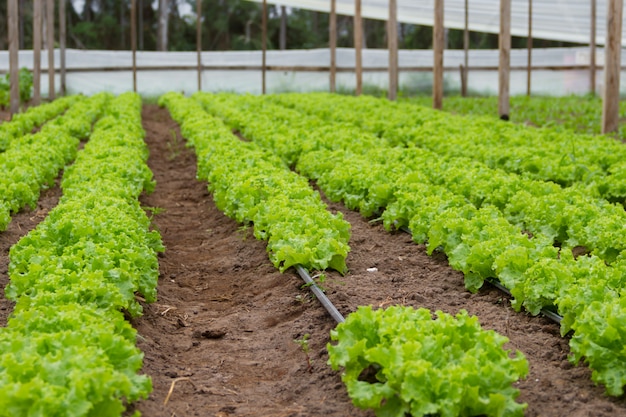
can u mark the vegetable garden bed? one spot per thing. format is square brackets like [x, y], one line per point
[228, 334]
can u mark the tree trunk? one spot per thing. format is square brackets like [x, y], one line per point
[122, 30]
[283, 28]
[21, 17]
[163, 22]
[87, 11]
[364, 26]
[140, 25]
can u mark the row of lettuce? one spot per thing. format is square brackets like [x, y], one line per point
[30, 162]
[593, 163]
[67, 348]
[552, 246]
[253, 185]
[576, 113]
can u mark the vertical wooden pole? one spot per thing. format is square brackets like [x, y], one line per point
[592, 49]
[199, 41]
[529, 46]
[392, 41]
[504, 66]
[465, 52]
[13, 35]
[358, 46]
[50, 46]
[62, 42]
[264, 42]
[612, 61]
[332, 40]
[36, 52]
[133, 39]
[438, 45]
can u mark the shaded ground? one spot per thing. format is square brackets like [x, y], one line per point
[225, 326]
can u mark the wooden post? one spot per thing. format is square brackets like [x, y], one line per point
[438, 45]
[62, 36]
[592, 49]
[465, 69]
[358, 46]
[199, 41]
[529, 46]
[133, 39]
[392, 41]
[504, 66]
[612, 61]
[14, 34]
[264, 43]
[332, 40]
[50, 46]
[36, 52]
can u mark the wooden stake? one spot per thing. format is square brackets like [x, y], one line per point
[529, 46]
[50, 46]
[332, 40]
[264, 42]
[612, 57]
[36, 52]
[62, 41]
[465, 69]
[392, 40]
[505, 59]
[199, 41]
[438, 45]
[14, 80]
[358, 46]
[133, 39]
[592, 49]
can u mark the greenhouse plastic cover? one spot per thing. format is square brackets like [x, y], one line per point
[563, 20]
[98, 72]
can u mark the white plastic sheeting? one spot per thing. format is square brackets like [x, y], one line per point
[563, 20]
[153, 82]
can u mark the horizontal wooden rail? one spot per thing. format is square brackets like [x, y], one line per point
[313, 68]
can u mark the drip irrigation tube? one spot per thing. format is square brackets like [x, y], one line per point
[320, 294]
[340, 319]
[546, 312]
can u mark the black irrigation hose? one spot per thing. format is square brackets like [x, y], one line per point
[340, 319]
[546, 312]
[320, 294]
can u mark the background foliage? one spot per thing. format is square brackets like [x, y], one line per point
[228, 25]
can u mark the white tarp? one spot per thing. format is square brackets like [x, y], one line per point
[153, 82]
[563, 20]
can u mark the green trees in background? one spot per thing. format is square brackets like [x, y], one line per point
[227, 25]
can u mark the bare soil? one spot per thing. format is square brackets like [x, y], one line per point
[4, 115]
[221, 339]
